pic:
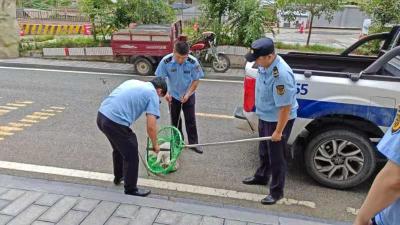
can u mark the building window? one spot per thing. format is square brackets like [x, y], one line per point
[188, 1]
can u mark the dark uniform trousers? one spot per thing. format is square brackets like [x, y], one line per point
[272, 157]
[190, 117]
[125, 150]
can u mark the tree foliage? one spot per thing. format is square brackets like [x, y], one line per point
[237, 22]
[383, 12]
[143, 12]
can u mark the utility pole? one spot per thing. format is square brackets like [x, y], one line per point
[9, 37]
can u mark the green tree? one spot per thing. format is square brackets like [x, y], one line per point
[101, 14]
[217, 9]
[249, 21]
[383, 12]
[316, 8]
[143, 12]
[43, 4]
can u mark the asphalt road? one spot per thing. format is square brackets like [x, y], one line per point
[69, 138]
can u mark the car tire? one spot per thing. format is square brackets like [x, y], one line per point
[340, 157]
[144, 67]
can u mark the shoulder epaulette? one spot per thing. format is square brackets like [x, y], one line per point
[168, 59]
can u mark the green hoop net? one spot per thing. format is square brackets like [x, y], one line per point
[167, 136]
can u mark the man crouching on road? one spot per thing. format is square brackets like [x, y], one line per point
[117, 113]
[276, 107]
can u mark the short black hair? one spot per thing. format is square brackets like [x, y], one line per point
[160, 82]
[182, 47]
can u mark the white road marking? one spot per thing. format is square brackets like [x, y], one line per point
[352, 211]
[219, 116]
[107, 74]
[149, 183]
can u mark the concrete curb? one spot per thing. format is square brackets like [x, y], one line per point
[85, 69]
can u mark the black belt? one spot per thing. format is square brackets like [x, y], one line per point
[373, 221]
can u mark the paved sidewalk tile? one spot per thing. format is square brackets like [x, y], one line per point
[289, 221]
[100, 214]
[11, 195]
[73, 218]
[145, 216]
[86, 205]
[126, 211]
[169, 217]
[56, 212]
[48, 200]
[212, 221]
[3, 203]
[118, 221]
[3, 190]
[42, 223]
[28, 216]
[234, 222]
[21, 203]
[4, 219]
[189, 219]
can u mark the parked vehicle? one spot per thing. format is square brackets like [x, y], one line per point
[145, 45]
[205, 50]
[346, 103]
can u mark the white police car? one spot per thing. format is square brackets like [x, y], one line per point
[343, 112]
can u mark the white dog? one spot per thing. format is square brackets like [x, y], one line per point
[164, 157]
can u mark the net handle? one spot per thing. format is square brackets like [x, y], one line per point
[230, 142]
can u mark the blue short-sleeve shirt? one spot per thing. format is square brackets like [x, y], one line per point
[390, 147]
[129, 100]
[275, 88]
[179, 76]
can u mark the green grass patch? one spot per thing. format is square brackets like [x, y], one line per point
[310, 48]
[60, 42]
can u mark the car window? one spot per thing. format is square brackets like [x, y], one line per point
[369, 48]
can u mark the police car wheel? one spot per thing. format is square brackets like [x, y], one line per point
[340, 158]
[222, 64]
[144, 67]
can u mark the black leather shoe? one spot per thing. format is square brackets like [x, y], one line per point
[118, 181]
[197, 150]
[138, 192]
[269, 200]
[254, 181]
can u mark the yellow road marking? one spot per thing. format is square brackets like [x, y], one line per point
[1, 139]
[48, 110]
[56, 107]
[16, 105]
[43, 114]
[19, 124]
[8, 107]
[5, 133]
[5, 128]
[219, 116]
[37, 117]
[4, 111]
[29, 121]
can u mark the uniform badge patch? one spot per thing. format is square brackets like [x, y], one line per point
[280, 89]
[275, 72]
[173, 70]
[396, 124]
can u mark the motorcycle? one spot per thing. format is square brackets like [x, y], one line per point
[205, 50]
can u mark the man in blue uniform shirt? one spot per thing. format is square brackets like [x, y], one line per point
[183, 73]
[276, 107]
[117, 113]
[382, 205]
